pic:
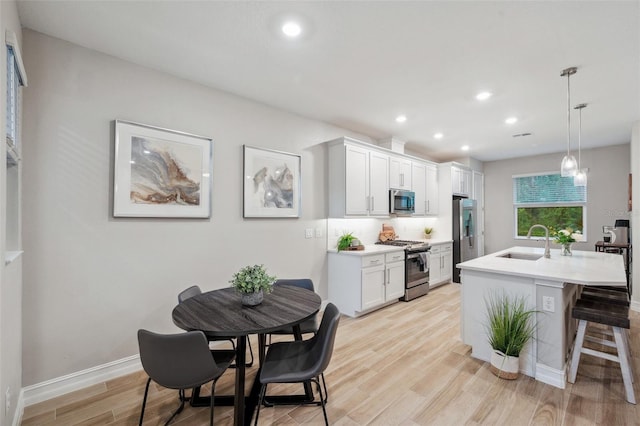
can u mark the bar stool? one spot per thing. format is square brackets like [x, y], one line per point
[613, 295]
[617, 317]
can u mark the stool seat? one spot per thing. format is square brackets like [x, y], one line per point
[605, 296]
[617, 317]
[614, 315]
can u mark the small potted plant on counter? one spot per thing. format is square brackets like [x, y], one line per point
[252, 282]
[349, 242]
[427, 232]
[509, 328]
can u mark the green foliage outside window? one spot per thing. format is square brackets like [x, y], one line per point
[555, 217]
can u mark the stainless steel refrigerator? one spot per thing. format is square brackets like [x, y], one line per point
[465, 243]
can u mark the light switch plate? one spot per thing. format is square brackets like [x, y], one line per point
[308, 233]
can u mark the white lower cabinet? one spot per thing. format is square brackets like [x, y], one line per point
[441, 264]
[360, 283]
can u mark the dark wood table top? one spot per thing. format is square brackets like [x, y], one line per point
[221, 313]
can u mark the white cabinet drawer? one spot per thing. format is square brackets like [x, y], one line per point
[394, 257]
[376, 260]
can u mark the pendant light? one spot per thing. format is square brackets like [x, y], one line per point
[569, 167]
[580, 179]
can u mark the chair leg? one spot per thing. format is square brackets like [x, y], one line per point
[263, 392]
[180, 408]
[144, 400]
[624, 364]
[250, 363]
[577, 351]
[324, 384]
[213, 401]
[324, 410]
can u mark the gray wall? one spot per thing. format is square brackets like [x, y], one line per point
[607, 191]
[90, 281]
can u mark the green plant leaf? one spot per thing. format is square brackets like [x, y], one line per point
[509, 323]
[251, 279]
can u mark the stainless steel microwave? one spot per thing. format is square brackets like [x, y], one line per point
[402, 203]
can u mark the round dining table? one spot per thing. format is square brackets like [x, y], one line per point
[220, 313]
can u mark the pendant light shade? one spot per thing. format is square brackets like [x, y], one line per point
[569, 166]
[580, 179]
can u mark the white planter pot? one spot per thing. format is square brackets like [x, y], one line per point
[503, 366]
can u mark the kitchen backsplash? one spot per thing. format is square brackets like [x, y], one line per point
[367, 229]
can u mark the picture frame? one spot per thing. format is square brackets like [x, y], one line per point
[161, 173]
[271, 184]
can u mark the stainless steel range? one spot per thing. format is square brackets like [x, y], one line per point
[416, 267]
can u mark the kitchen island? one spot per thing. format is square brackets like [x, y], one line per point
[550, 285]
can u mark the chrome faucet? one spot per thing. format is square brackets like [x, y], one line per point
[547, 252]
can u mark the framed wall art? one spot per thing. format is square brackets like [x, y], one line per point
[161, 173]
[271, 183]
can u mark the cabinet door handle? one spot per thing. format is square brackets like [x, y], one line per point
[387, 280]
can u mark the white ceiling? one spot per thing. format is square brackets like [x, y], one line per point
[359, 64]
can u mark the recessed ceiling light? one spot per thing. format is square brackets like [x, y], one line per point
[291, 29]
[465, 147]
[511, 120]
[483, 96]
[438, 135]
[401, 118]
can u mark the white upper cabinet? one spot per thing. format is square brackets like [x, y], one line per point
[419, 182]
[432, 189]
[461, 181]
[358, 180]
[400, 173]
[424, 181]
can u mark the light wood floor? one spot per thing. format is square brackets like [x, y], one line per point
[402, 365]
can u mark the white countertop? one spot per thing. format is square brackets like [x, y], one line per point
[584, 267]
[369, 249]
[381, 248]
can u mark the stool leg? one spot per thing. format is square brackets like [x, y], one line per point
[577, 350]
[624, 364]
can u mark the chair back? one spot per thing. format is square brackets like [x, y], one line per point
[298, 282]
[325, 338]
[194, 290]
[177, 361]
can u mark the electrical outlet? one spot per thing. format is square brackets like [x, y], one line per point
[318, 232]
[7, 401]
[308, 233]
[548, 304]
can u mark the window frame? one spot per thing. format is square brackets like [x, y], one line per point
[582, 204]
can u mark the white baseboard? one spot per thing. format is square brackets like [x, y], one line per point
[551, 376]
[17, 416]
[81, 379]
[635, 306]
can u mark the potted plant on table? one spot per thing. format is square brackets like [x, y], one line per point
[509, 328]
[252, 282]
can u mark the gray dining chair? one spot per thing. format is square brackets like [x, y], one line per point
[181, 361]
[302, 360]
[194, 290]
[308, 326]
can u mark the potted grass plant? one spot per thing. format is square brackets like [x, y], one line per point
[509, 327]
[252, 282]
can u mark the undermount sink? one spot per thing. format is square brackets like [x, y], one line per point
[521, 256]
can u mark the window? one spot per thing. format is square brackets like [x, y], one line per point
[13, 82]
[550, 200]
[16, 77]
